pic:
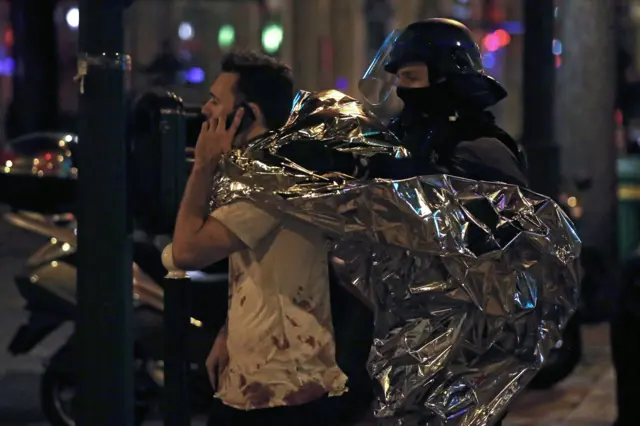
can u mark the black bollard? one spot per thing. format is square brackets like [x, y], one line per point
[177, 308]
[177, 292]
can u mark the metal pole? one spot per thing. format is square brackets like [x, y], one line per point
[585, 115]
[105, 306]
[176, 362]
[538, 92]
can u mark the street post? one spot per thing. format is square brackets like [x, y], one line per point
[104, 325]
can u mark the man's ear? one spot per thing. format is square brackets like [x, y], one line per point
[257, 112]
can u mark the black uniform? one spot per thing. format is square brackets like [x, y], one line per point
[473, 147]
[446, 126]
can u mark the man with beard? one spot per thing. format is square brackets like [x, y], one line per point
[274, 362]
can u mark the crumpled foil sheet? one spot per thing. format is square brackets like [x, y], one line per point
[471, 282]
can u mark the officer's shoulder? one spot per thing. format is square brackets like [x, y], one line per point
[485, 148]
[491, 159]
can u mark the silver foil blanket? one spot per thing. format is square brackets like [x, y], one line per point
[471, 282]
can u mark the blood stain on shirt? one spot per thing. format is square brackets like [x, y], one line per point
[303, 304]
[258, 394]
[292, 321]
[280, 345]
[308, 392]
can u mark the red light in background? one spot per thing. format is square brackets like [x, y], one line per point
[47, 156]
[494, 12]
[326, 54]
[503, 37]
[8, 37]
[491, 42]
[496, 40]
[618, 117]
[558, 61]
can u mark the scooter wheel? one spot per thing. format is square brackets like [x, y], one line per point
[57, 399]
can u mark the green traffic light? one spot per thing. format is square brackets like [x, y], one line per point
[226, 36]
[272, 36]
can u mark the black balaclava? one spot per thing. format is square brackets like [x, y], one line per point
[435, 100]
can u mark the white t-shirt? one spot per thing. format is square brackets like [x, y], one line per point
[280, 335]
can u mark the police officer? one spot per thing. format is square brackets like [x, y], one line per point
[436, 68]
[437, 71]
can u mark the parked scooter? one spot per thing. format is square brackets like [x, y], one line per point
[48, 284]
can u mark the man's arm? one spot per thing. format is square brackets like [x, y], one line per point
[198, 240]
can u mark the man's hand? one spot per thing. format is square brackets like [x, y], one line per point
[215, 139]
[218, 358]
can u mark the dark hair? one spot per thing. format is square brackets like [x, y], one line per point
[264, 81]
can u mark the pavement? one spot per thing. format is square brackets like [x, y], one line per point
[584, 399]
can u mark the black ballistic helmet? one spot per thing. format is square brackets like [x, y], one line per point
[449, 51]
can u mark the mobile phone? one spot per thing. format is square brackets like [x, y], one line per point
[247, 119]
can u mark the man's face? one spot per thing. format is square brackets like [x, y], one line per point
[413, 75]
[222, 97]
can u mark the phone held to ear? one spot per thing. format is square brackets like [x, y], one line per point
[247, 119]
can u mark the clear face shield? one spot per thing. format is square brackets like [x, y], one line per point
[377, 84]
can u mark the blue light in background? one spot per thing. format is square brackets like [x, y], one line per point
[488, 60]
[185, 31]
[6, 66]
[556, 47]
[194, 75]
[461, 12]
[513, 27]
[342, 84]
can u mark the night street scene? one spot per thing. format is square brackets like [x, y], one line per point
[319, 212]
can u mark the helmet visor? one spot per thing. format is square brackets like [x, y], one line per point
[377, 84]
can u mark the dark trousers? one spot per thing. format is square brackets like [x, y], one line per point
[322, 412]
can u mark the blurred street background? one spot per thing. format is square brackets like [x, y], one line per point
[328, 43]
[178, 44]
